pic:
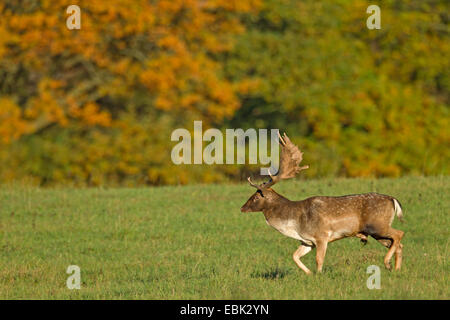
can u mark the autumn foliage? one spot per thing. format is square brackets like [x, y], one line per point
[96, 106]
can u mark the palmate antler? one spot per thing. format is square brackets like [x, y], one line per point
[290, 158]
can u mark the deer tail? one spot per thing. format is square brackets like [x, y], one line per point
[398, 209]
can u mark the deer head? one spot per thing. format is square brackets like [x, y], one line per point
[265, 196]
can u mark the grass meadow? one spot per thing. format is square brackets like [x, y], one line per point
[192, 242]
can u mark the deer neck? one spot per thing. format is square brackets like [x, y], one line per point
[277, 208]
[286, 217]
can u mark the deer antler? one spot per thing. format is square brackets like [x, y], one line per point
[290, 158]
[252, 184]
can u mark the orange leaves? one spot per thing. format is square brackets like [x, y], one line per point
[173, 43]
[90, 115]
[238, 5]
[161, 74]
[12, 125]
[52, 106]
[184, 82]
[164, 45]
[45, 105]
[5, 38]
[130, 62]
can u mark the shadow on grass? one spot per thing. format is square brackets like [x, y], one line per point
[271, 274]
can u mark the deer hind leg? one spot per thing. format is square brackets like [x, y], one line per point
[388, 243]
[398, 253]
[395, 247]
[300, 252]
[398, 257]
[321, 249]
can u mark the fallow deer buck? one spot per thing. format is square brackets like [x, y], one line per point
[318, 220]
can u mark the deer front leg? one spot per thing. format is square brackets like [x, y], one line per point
[300, 252]
[321, 249]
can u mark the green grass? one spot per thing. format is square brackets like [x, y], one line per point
[193, 243]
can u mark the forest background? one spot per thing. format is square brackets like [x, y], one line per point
[96, 106]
